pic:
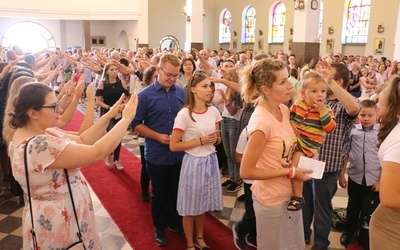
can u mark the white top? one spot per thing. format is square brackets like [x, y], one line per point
[204, 125]
[241, 146]
[390, 147]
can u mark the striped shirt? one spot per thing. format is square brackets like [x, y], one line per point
[336, 146]
[312, 126]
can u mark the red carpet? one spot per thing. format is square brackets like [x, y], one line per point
[120, 194]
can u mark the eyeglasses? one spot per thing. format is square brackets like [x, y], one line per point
[169, 75]
[54, 106]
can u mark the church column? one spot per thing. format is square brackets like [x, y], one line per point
[87, 41]
[194, 24]
[305, 32]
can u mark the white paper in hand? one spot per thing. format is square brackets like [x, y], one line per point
[317, 167]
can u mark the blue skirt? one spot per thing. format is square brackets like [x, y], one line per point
[199, 185]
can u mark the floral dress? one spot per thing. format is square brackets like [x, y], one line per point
[54, 220]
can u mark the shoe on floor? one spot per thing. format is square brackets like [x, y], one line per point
[108, 160]
[225, 171]
[238, 239]
[226, 183]
[251, 241]
[316, 247]
[346, 239]
[234, 187]
[241, 198]
[159, 237]
[118, 166]
[178, 230]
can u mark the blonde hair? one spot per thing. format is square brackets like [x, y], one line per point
[310, 76]
[258, 74]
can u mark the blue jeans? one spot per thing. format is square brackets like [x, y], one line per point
[229, 133]
[318, 195]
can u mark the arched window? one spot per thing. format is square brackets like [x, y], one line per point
[278, 23]
[225, 27]
[249, 25]
[357, 22]
[30, 36]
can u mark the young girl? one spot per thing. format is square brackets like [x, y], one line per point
[196, 131]
[311, 119]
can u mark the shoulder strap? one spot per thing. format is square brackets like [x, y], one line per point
[32, 231]
[73, 204]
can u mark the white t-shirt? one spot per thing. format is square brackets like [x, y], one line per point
[241, 146]
[204, 125]
[390, 147]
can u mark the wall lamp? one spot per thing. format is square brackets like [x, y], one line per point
[298, 4]
[234, 33]
[330, 30]
[187, 17]
[260, 32]
[381, 29]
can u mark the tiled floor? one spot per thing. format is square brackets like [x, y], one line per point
[111, 237]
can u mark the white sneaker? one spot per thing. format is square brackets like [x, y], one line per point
[108, 160]
[118, 166]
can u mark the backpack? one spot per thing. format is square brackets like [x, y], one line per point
[339, 218]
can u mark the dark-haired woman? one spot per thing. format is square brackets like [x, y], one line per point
[188, 66]
[50, 151]
[110, 89]
[385, 222]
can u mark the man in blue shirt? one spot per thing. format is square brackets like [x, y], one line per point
[158, 106]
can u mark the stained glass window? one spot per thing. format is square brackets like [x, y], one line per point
[249, 31]
[321, 14]
[225, 27]
[278, 23]
[357, 23]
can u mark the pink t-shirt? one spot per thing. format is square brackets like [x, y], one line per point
[277, 153]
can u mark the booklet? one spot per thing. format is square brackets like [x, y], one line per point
[317, 167]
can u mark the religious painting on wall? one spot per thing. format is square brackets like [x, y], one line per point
[378, 46]
[330, 44]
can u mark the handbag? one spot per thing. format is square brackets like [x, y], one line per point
[75, 246]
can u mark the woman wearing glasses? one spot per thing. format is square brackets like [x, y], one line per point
[196, 131]
[110, 89]
[49, 152]
[267, 156]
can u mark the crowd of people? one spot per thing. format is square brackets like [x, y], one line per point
[198, 115]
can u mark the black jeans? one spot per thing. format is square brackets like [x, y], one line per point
[359, 195]
[112, 123]
[144, 176]
[164, 183]
[248, 223]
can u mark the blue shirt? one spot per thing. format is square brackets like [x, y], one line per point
[157, 110]
[364, 155]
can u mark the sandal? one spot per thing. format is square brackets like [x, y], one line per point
[296, 202]
[198, 245]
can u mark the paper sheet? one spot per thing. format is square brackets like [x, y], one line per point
[317, 167]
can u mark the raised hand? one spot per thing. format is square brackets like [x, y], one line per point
[129, 111]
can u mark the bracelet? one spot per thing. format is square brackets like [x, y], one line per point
[201, 142]
[227, 105]
[292, 172]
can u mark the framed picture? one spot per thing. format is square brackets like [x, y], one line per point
[330, 44]
[379, 45]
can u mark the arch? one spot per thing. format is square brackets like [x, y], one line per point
[225, 26]
[169, 43]
[356, 21]
[30, 36]
[123, 40]
[278, 21]
[248, 24]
